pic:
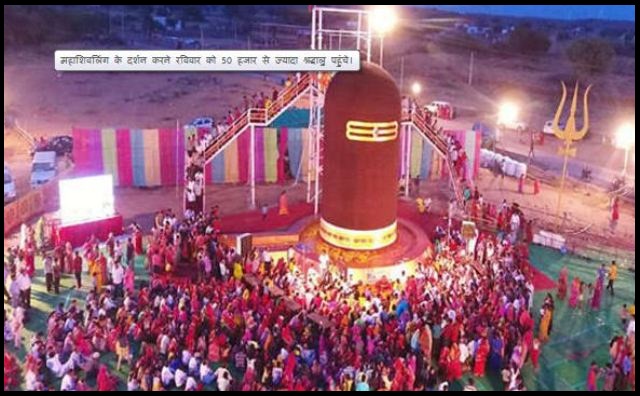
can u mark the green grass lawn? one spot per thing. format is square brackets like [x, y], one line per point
[577, 337]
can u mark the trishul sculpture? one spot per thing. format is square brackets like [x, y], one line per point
[569, 134]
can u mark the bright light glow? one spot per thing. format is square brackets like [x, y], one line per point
[358, 239]
[416, 88]
[86, 198]
[625, 136]
[508, 113]
[383, 19]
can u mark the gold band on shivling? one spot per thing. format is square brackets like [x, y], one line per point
[358, 239]
[375, 132]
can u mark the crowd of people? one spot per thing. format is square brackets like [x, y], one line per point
[247, 321]
[397, 335]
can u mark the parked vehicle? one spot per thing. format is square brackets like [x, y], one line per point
[61, 145]
[548, 127]
[617, 184]
[202, 122]
[519, 126]
[43, 167]
[9, 185]
[441, 109]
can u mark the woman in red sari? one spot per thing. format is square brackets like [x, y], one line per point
[562, 283]
[214, 349]
[481, 358]
[283, 204]
[454, 371]
[11, 372]
[105, 382]
[443, 361]
[575, 292]
[29, 259]
[137, 241]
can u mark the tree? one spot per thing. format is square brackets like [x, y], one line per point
[191, 13]
[525, 40]
[590, 55]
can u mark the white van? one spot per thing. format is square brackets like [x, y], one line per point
[43, 168]
[9, 185]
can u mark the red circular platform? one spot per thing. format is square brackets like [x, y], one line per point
[402, 256]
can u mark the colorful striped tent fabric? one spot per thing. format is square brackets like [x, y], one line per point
[109, 153]
[283, 137]
[415, 160]
[260, 177]
[270, 155]
[294, 146]
[156, 157]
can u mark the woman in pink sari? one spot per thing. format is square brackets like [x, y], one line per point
[129, 279]
[575, 291]
[597, 296]
[562, 283]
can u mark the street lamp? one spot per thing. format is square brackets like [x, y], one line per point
[416, 89]
[625, 139]
[507, 116]
[382, 19]
[508, 113]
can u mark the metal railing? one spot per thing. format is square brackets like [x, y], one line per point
[418, 120]
[259, 116]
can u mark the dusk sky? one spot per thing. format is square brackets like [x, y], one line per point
[611, 12]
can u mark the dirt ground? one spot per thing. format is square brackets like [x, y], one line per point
[49, 103]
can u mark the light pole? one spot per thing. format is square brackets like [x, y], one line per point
[625, 139]
[507, 117]
[381, 49]
[382, 19]
[416, 88]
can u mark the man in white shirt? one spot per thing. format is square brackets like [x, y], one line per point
[117, 276]
[6, 275]
[166, 376]
[68, 382]
[194, 362]
[191, 384]
[199, 184]
[191, 195]
[56, 367]
[444, 386]
[48, 272]
[206, 374]
[266, 257]
[464, 352]
[180, 378]
[223, 379]
[164, 344]
[471, 386]
[25, 288]
[324, 262]
[31, 382]
[108, 304]
[186, 356]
